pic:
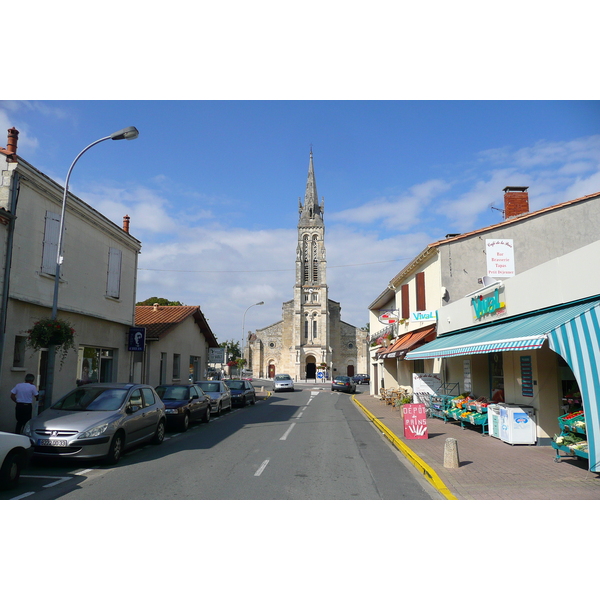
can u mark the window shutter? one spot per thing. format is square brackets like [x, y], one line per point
[421, 291]
[113, 283]
[50, 245]
[405, 302]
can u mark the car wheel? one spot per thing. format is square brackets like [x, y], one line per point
[11, 470]
[159, 436]
[253, 401]
[219, 409]
[230, 406]
[116, 449]
[185, 422]
[206, 417]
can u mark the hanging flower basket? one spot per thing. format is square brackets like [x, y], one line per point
[52, 332]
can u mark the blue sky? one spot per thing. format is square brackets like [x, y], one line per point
[212, 187]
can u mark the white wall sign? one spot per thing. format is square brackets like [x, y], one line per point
[500, 258]
[427, 382]
[419, 316]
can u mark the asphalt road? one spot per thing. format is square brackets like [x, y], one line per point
[302, 445]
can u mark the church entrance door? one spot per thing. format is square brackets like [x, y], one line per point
[311, 369]
[271, 371]
[350, 371]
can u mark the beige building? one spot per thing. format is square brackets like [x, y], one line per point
[177, 342]
[311, 341]
[96, 290]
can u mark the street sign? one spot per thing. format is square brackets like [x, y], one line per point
[216, 355]
[415, 421]
[136, 339]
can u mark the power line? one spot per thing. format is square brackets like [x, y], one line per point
[270, 270]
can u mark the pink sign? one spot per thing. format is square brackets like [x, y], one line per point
[415, 421]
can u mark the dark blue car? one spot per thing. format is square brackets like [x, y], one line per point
[184, 404]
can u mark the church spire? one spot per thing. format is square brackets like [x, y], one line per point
[311, 208]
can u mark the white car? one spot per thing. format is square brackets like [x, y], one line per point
[283, 382]
[15, 452]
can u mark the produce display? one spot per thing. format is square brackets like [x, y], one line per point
[466, 409]
[572, 439]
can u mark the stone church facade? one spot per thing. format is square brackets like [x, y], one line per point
[311, 340]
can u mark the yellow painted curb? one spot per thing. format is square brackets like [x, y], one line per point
[430, 475]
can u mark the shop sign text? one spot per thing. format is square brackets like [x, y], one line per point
[488, 305]
[415, 421]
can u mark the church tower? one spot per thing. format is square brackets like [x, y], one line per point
[311, 316]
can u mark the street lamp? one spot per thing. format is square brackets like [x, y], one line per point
[243, 325]
[129, 133]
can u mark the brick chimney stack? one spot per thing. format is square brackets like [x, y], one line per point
[13, 138]
[126, 220]
[516, 202]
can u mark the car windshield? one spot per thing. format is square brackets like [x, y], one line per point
[342, 378]
[172, 392]
[282, 377]
[209, 386]
[235, 385]
[93, 398]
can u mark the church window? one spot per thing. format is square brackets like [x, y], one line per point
[314, 328]
[315, 297]
[315, 274]
[305, 273]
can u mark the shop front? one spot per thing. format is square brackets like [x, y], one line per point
[543, 362]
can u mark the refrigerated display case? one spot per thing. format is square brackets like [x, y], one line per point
[517, 424]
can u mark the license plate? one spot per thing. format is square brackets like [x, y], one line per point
[52, 442]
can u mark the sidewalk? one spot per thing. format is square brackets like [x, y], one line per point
[489, 468]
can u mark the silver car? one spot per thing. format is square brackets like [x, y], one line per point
[283, 383]
[219, 394]
[98, 420]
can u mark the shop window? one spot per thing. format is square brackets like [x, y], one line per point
[50, 244]
[176, 366]
[419, 366]
[95, 365]
[19, 352]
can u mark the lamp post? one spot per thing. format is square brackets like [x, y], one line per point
[129, 133]
[243, 326]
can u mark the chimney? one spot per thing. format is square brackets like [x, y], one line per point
[155, 306]
[516, 202]
[13, 137]
[126, 220]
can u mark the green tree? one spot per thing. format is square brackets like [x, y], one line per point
[232, 349]
[159, 301]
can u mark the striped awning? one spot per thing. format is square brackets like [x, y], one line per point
[407, 342]
[524, 333]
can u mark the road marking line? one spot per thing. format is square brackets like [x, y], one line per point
[23, 496]
[261, 468]
[82, 472]
[59, 479]
[284, 436]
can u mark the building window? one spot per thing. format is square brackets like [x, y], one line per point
[314, 328]
[271, 344]
[306, 326]
[420, 281]
[405, 301]
[315, 297]
[350, 345]
[113, 280]
[19, 352]
[176, 366]
[95, 365]
[50, 245]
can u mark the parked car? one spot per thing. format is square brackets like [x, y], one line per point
[15, 452]
[343, 383]
[184, 404]
[242, 392]
[361, 378]
[98, 420]
[283, 383]
[219, 394]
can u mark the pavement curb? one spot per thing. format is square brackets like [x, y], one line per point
[430, 475]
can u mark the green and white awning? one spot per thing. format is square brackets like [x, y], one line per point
[525, 333]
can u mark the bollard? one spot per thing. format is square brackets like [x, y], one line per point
[262, 388]
[451, 454]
